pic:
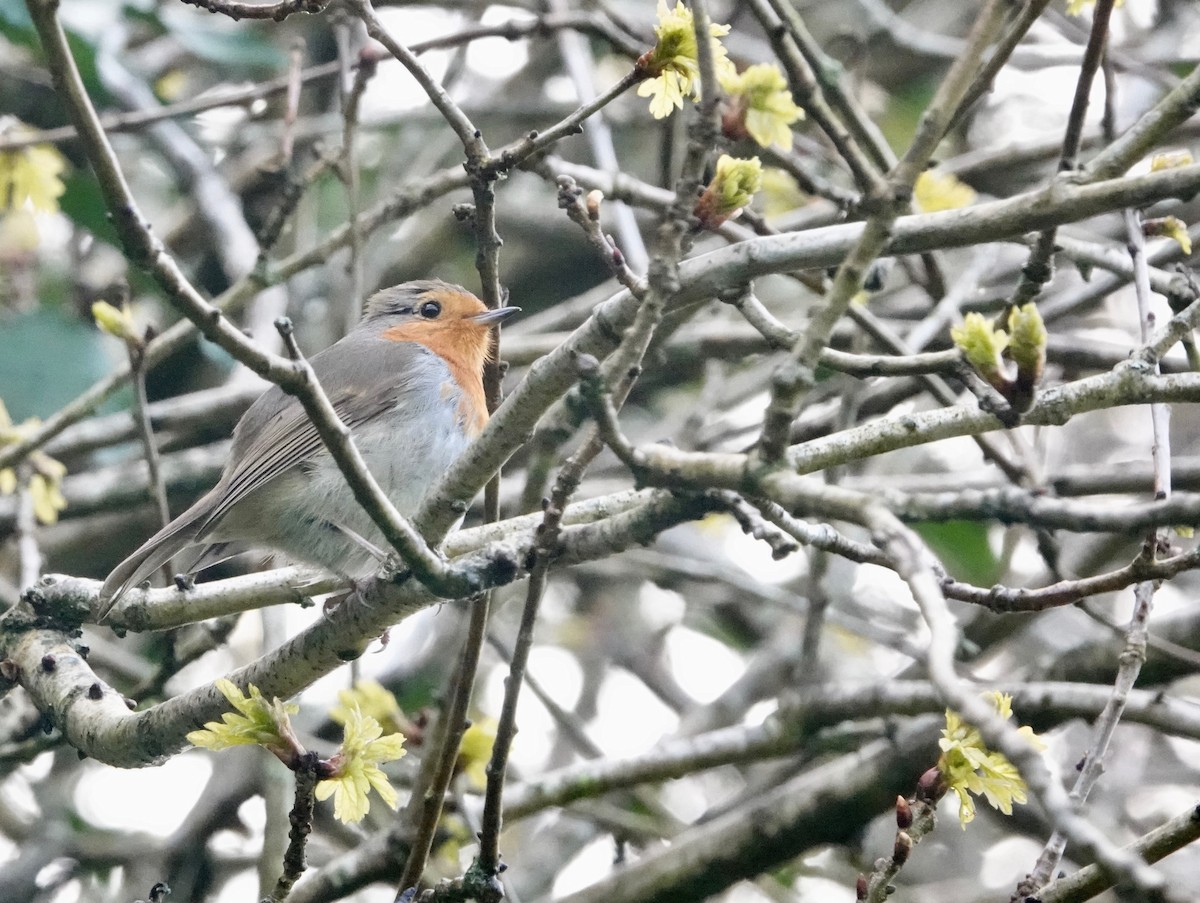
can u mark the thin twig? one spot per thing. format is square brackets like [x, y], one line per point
[29, 555]
[291, 108]
[450, 111]
[158, 489]
[425, 809]
[351, 101]
[279, 11]
[1002, 599]
[1039, 269]
[1006, 48]
[300, 819]
[857, 150]
[1090, 881]
[1173, 110]
[577, 59]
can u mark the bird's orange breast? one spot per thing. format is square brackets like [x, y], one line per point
[463, 348]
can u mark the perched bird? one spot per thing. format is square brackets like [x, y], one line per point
[407, 380]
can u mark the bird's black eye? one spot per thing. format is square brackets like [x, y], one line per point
[430, 310]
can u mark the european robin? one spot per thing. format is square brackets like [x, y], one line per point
[408, 380]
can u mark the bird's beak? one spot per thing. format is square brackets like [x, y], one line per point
[499, 315]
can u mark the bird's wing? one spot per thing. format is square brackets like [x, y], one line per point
[276, 435]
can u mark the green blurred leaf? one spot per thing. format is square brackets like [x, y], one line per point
[47, 357]
[242, 48]
[904, 109]
[84, 204]
[963, 548]
[17, 27]
[245, 46]
[13, 17]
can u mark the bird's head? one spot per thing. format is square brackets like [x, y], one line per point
[447, 319]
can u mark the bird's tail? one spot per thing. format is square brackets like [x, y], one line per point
[153, 554]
